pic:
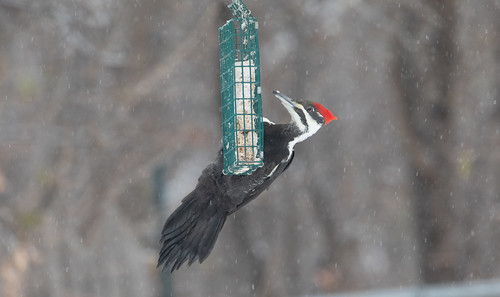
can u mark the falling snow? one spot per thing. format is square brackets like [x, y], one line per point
[110, 111]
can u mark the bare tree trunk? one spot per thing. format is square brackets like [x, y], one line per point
[424, 78]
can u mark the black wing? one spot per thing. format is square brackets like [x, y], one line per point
[255, 192]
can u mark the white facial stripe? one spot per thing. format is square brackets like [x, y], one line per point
[295, 117]
[312, 128]
[298, 121]
[313, 125]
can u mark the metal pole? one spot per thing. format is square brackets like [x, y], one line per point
[160, 202]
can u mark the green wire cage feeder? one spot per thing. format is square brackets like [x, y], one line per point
[242, 126]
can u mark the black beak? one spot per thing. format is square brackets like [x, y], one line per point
[285, 99]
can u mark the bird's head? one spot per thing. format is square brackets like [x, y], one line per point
[306, 115]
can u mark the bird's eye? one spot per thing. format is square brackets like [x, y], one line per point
[310, 108]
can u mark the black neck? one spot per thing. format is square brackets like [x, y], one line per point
[278, 136]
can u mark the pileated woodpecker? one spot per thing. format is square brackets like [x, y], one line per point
[189, 234]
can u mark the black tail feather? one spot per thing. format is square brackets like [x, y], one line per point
[209, 241]
[190, 233]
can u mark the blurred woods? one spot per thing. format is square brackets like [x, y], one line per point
[403, 189]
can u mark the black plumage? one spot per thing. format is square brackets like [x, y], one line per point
[189, 234]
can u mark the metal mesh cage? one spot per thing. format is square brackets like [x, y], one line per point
[242, 127]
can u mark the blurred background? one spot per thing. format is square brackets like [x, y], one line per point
[109, 110]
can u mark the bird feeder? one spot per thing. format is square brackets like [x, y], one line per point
[241, 106]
